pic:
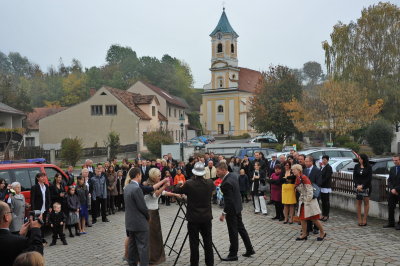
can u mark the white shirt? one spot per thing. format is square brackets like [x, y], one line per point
[43, 189]
[152, 200]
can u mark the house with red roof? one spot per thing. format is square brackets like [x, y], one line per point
[226, 99]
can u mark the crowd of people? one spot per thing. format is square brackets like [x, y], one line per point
[138, 187]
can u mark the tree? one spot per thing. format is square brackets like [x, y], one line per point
[112, 144]
[153, 140]
[335, 107]
[74, 89]
[116, 54]
[367, 52]
[312, 71]
[71, 150]
[279, 85]
[379, 136]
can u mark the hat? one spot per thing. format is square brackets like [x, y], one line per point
[198, 169]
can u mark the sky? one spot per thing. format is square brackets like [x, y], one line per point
[271, 32]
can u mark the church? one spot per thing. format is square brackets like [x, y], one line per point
[225, 100]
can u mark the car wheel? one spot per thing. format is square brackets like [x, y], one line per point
[197, 148]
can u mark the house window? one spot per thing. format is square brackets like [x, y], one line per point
[174, 112]
[220, 109]
[232, 48]
[153, 111]
[233, 76]
[111, 110]
[97, 109]
[219, 48]
[169, 111]
[29, 142]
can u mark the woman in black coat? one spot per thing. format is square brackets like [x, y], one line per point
[58, 193]
[362, 177]
[258, 188]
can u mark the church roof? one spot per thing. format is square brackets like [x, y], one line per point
[248, 79]
[224, 26]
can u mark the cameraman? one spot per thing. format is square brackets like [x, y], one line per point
[12, 245]
[199, 215]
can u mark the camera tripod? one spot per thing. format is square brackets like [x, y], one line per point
[181, 214]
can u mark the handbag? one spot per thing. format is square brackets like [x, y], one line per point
[316, 191]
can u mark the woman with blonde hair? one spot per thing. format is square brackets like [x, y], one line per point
[308, 205]
[156, 248]
[32, 258]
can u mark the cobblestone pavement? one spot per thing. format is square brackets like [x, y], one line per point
[274, 242]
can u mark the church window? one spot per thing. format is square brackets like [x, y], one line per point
[233, 76]
[232, 48]
[219, 48]
[220, 82]
[220, 109]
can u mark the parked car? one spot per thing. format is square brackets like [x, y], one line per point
[317, 153]
[250, 152]
[263, 140]
[380, 166]
[201, 138]
[338, 164]
[197, 144]
[25, 173]
[209, 138]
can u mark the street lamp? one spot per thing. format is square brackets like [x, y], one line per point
[182, 120]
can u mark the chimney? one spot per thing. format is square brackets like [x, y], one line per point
[92, 91]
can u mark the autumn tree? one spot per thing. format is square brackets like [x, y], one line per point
[367, 51]
[278, 85]
[336, 107]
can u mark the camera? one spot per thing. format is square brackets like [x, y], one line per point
[36, 216]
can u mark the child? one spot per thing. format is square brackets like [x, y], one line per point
[83, 195]
[179, 178]
[218, 197]
[169, 177]
[73, 211]
[243, 185]
[119, 200]
[57, 220]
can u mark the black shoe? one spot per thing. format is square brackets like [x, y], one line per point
[65, 243]
[316, 232]
[249, 253]
[71, 235]
[270, 203]
[89, 225]
[105, 220]
[94, 221]
[301, 238]
[77, 234]
[53, 243]
[321, 238]
[275, 218]
[397, 226]
[281, 219]
[230, 258]
[388, 225]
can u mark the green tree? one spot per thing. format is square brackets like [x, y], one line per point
[116, 54]
[153, 140]
[367, 52]
[112, 144]
[379, 136]
[71, 150]
[312, 71]
[279, 85]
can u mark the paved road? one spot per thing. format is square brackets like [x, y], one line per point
[274, 242]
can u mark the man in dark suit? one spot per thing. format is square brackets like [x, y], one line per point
[145, 170]
[326, 184]
[257, 158]
[199, 215]
[40, 197]
[271, 165]
[136, 220]
[394, 190]
[314, 174]
[12, 245]
[233, 213]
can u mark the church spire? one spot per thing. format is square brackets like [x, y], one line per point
[224, 26]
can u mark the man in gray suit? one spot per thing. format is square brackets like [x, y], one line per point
[136, 220]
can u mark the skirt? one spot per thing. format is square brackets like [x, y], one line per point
[83, 212]
[302, 218]
[73, 218]
[156, 245]
[288, 194]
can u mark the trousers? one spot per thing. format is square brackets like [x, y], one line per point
[325, 204]
[138, 250]
[100, 206]
[236, 228]
[392, 202]
[205, 230]
[259, 204]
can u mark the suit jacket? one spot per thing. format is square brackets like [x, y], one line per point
[12, 245]
[394, 179]
[136, 212]
[326, 176]
[314, 175]
[199, 194]
[145, 174]
[37, 199]
[363, 178]
[232, 197]
[270, 167]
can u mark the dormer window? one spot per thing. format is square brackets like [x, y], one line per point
[219, 48]
[232, 48]
[220, 109]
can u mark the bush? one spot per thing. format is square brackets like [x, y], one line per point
[243, 136]
[379, 136]
[153, 140]
[71, 150]
[341, 140]
[112, 144]
[352, 145]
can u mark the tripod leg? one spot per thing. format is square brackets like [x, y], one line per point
[216, 251]
[173, 223]
[177, 235]
[180, 250]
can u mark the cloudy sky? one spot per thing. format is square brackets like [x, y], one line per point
[287, 32]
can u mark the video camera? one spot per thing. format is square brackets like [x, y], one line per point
[35, 216]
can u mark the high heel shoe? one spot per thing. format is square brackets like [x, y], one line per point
[301, 238]
[285, 222]
[321, 238]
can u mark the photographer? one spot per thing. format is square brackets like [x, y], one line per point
[198, 215]
[12, 245]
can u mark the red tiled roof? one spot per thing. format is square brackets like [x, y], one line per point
[161, 117]
[144, 99]
[168, 97]
[32, 120]
[248, 79]
[128, 99]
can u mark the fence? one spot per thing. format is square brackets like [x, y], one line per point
[343, 183]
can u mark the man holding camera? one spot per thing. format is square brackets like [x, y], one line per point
[12, 245]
